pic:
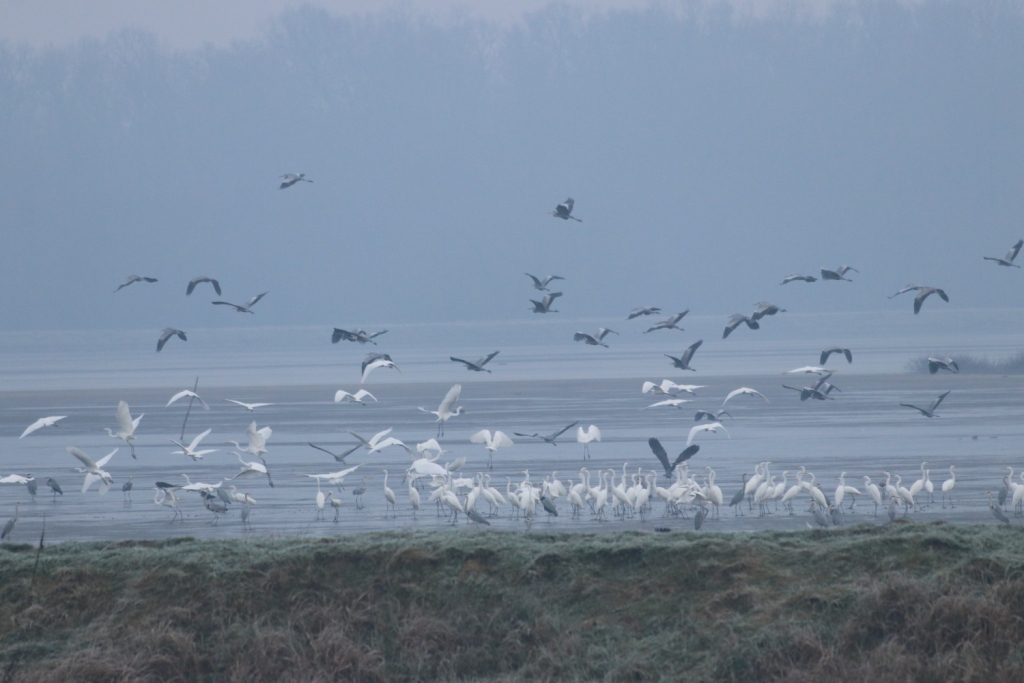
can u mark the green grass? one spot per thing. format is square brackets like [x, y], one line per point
[895, 603]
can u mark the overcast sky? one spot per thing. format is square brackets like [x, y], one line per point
[712, 148]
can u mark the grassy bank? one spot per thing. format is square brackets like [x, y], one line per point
[901, 602]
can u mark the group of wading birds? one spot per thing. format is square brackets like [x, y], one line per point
[624, 496]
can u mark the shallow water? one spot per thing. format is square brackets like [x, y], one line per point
[534, 388]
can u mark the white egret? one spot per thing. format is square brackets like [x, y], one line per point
[190, 450]
[126, 426]
[709, 427]
[167, 498]
[947, 487]
[492, 442]
[389, 496]
[587, 437]
[249, 406]
[188, 393]
[42, 422]
[743, 391]
[257, 440]
[94, 471]
[874, 493]
[378, 363]
[343, 396]
[444, 411]
[672, 402]
[668, 388]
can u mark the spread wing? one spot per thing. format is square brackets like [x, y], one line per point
[252, 301]
[124, 418]
[106, 458]
[484, 361]
[86, 460]
[564, 429]
[938, 401]
[687, 453]
[450, 398]
[661, 454]
[483, 436]
[199, 437]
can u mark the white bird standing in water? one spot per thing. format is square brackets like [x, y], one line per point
[492, 442]
[444, 411]
[587, 437]
[126, 426]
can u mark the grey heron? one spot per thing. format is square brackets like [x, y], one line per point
[594, 339]
[54, 486]
[358, 336]
[126, 489]
[132, 279]
[908, 288]
[340, 457]
[9, 527]
[242, 308]
[801, 278]
[1010, 256]
[643, 310]
[838, 273]
[289, 179]
[478, 366]
[712, 417]
[735, 320]
[42, 422]
[835, 349]
[564, 210]
[662, 455]
[199, 280]
[925, 292]
[550, 438]
[930, 411]
[683, 361]
[166, 334]
[544, 305]
[541, 284]
[766, 308]
[669, 323]
[997, 511]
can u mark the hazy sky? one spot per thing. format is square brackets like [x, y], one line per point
[712, 148]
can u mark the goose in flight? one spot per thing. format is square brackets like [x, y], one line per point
[587, 437]
[924, 293]
[936, 364]
[743, 391]
[668, 387]
[94, 471]
[835, 349]
[492, 442]
[669, 323]
[242, 308]
[801, 278]
[551, 438]
[189, 393]
[167, 334]
[42, 422]
[594, 339]
[766, 308]
[382, 360]
[643, 310]
[541, 284]
[735, 320]
[683, 362]
[358, 336]
[838, 273]
[248, 406]
[564, 210]
[126, 426]
[444, 411]
[478, 366]
[710, 427]
[290, 179]
[341, 395]
[199, 280]
[190, 450]
[544, 305]
[930, 411]
[132, 279]
[1010, 256]
[662, 455]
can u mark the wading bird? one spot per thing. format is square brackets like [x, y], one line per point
[1010, 256]
[802, 278]
[948, 364]
[551, 438]
[340, 457]
[587, 437]
[711, 427]
[54, 486]
[744, 391]
[189, 393]
[544, 305]
[669, 323]
[167, 333]
[643, 310]
[9, 527]
[835, 349]
[541, 284]
[190, 450]
[594, 339]
[358, 336]
[343, 396]
[42, 422]
[478, 366]
[662, 455]
[735, 320]
[683, 362]
[248, 406]
[766, 308]
[257, 440]
[289, 179]
[132, 279]
[564, 210]
[492, 442]
[167, 498]
[382, 360]
[244, 308]
[93, 470]
[925, 292]
[444, 411]
[126, 489]
[126, 426]
[930, 411]
[199, 280]
[668, 387]
[837, 274]
[713, 417]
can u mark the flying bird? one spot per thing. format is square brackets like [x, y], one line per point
[444, 411]
[1010, 256]
[245, 307]
[808, 370]
[712, 417]
[381, 361]
[683, 362]
[669, 323]
[926, 292]
[838, 273]
[710, 427]
[948, 364]
[199, 280]
[42, 422]
[290, 179]
[819, 391]
[94, 471]
[126, 426]
[190, 450]
[642, 310]
[551, 438]
[735, 320]
[248, 406]
[668, 387]
[673, 402]
[802, 278]
[835, 349]
[167, 334]
[594, 339]
[358, 336]
[930, 411]
[340, 457]
[564, 210]
[478, 366]
[541, 284]
[743, 391]
[257, 440]
[189, 393]
[132, 279]
[662, 455]
[544, 305]
[908, 288]
[766, 308]
[341, 395]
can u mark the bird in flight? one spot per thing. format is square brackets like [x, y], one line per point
[248, 406]
[948, 364]
[243, 308]
[735, 320]
[359, 336]
[662, 455]
[544, 305]
[374, 361]
[1010, 256]
[564, 210]
[199, 280]
[541, 284]
[643, 310]
[132, 279]
[551, 438]
[669, 323]
[167, 334]
[343, 396]
[925, 292]
[478, 366]
[444, 411]
[594, 339]
[42, 422]
[683, 362]
[930, 411]
[838, 273]
[766, 308]
[747, 391]
[290, 179]
[189, 393]
[802, 278]
[835, 349]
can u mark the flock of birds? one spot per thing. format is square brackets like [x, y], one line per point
[602, 493]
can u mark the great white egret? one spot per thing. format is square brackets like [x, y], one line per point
[381, 361]
[594, 339]
[643, 310]
[710, 427]
[492, 442]
[257, 440]
[242, 308]
[735, 320]
[199, 280]
[94, 471]
[794, 278]
[343, 396]
[669, 323]
[166, 334]
[248, 406]
[389, 496]
[1010, 256]
[132, 279]
[835, 349]
[167, 498]
[930, 411]
[541, 284]
[444, 410]
[551, 438]
[668, 387]
[187, 393]
[544, 305]
[587, 437]
[744, 391]
[837, 274]
[564, 210]
[42, 422]
[683, 362]
[925, 292]
[478, 366]
[289, 179]
[947, 487]
[190, 450]
[673, 402]
[358, 336]
[126, 426]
